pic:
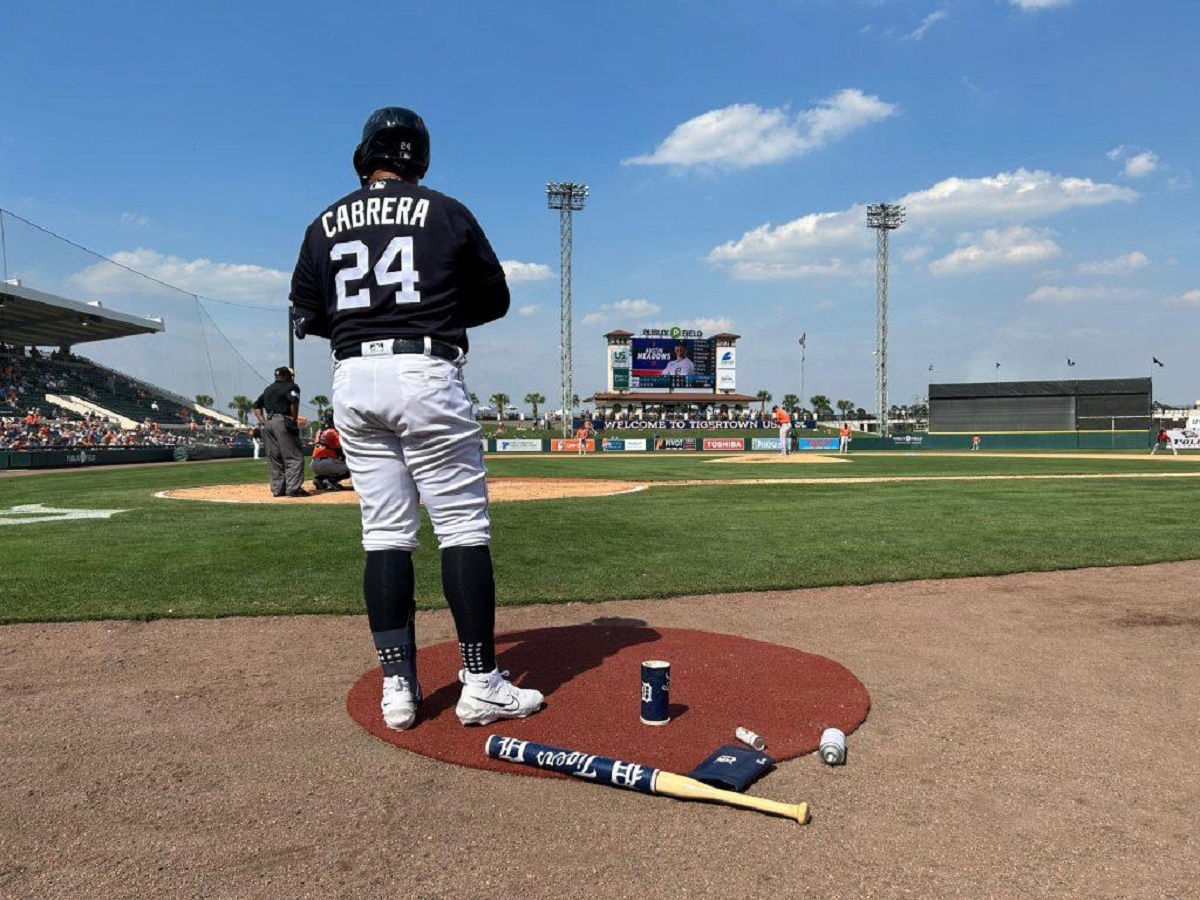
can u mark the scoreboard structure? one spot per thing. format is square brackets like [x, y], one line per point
[671, 359]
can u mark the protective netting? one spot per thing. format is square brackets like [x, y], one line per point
[224, 331]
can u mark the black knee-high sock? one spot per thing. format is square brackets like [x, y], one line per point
[388, 587]
[470, 589]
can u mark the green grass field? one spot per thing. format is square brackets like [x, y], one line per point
[181, 558]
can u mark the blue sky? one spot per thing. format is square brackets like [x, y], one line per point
[1045, 150]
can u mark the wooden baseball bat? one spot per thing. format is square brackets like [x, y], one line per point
[632, 776]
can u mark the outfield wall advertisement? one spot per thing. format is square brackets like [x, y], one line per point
[518, 445]
[570, 445]
[623, 445]
[816, 443]
[724, 444]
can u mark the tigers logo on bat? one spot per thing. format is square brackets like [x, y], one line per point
[512, 749]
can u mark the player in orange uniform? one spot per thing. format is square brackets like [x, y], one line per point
[328, 459]
[784, 420]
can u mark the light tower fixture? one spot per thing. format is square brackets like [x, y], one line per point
[883, 217]
[567, 197]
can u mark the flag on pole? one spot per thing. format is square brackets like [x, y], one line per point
[1070, 362]
[803, 338]
[1157, 361]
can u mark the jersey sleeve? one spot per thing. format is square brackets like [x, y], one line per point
[485, 287]
[307, 295]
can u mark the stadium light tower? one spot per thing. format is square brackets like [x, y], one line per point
[567, 197]
[883, 217]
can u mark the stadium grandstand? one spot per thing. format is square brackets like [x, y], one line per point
[41, 369]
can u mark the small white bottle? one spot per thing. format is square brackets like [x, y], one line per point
[833, 747]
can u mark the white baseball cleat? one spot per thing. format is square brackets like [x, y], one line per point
[399, 705]
[486, 698]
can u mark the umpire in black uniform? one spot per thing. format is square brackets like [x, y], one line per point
[276, 410]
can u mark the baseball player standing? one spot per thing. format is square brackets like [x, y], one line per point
[784, 420]
[394, 274]
[277, 409]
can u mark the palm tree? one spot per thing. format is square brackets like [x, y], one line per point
[533, 399]
[845, 407]
[474, 399]
[820, 405]
[499, 401]
[204, 400]
[321, 402]
[242, 405]
[764, 397]
[791, 403]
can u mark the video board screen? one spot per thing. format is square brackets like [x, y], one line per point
[673, 363]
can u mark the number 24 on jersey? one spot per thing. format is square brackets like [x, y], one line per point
[406, 276]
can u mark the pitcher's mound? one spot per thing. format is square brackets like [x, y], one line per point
[500, 490]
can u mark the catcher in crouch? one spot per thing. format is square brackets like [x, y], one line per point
[328, 459]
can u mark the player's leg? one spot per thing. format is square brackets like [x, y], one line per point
[293, 456]
[390, 517]
[274, 458]
[445, 459]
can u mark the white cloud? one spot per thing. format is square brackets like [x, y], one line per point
[1039, 4]
[1119, 265]
[709, 324]
[128, 218]
[1138, 162]
[1141, 165]
[1022, 194]
[623, 309]
[1081, 294]
[817, 243]
[752, 271]
[636, 308]
[1016, 245]
[745, 135]
[235, 282]
[517, 272]
[528, 310]
[1189, 298]
[928, 22]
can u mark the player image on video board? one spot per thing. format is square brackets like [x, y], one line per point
[672, 363]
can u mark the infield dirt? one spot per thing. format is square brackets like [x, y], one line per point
[1030, 736]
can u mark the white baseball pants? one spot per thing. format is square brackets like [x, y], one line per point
[410, 436]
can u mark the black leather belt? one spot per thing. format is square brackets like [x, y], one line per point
[440, 349]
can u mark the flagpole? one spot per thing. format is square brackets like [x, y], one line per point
[803, 348]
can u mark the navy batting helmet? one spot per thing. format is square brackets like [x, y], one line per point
[395, 137]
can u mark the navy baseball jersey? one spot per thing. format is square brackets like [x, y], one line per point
[396, 260]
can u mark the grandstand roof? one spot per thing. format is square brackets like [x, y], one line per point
[30, 318]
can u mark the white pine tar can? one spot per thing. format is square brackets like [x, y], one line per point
[833, 747]
[746, 736]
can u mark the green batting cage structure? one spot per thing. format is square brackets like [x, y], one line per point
[1100, 414]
